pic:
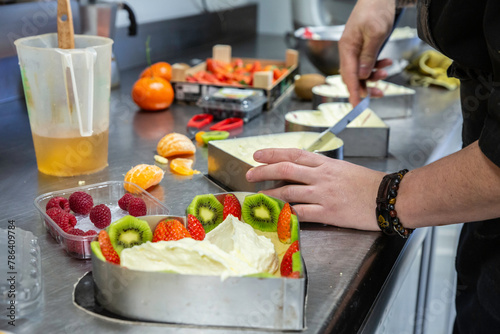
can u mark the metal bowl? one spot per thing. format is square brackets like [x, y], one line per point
[322, 49]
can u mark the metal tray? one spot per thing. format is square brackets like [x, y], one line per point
[386, 107]
[268, 303]
[230, 171]
[358, 141]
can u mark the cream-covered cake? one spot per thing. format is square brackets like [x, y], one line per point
[233, 248]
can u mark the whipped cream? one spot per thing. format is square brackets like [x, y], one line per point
[231, 249]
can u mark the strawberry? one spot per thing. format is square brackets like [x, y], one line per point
[168, 230]
[107, 248]
[231, 206]
[195, 228]
[284, 221]
[286, 263]
[295, 274]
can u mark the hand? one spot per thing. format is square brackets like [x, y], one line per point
[368, 26]
[328, 191]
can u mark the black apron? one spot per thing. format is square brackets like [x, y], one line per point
[468, 31]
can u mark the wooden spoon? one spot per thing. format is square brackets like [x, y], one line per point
[65, 32]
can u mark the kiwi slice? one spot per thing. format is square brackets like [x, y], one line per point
[94, 246]
[294, 227]
[127, 232]
[207, 209]
[297, 262]
[214, 135]
[261, 212]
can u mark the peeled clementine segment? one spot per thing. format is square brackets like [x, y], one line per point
[144, 176]
[183, 166]
[175, 144]
[198, 137]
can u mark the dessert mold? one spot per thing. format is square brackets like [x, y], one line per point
[273, 303]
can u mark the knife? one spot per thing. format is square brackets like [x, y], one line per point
[334, 130]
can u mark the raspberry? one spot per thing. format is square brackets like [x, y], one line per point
[72, 219]
[81, 202]
[90, 232]
[100, 215]
[76, 231]
[63, 221]
[54, 212]
[124, 201]
[137, 207]
[58, 202]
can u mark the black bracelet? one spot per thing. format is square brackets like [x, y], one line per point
[387, 217]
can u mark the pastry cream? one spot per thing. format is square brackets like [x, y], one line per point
[231, 249]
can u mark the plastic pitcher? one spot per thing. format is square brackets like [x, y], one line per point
[67, 96]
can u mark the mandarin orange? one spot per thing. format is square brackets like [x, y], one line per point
[143, 175]
[175, 144]
[153, 93]
[161, 69]
[183, 166]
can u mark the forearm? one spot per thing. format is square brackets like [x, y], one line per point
[462, 187]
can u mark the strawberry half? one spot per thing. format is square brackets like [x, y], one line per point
[231, 207]
[284, 221]
[168, 230]
[286, 263]
[195, 228]
[107, 248]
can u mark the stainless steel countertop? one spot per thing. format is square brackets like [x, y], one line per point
[346, 268]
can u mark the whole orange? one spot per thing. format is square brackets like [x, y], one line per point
[160, 69]
[152, 93]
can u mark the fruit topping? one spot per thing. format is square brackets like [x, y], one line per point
[195, 228]
[284, 221]
[137, 207]
[96, 249]
[170, 229]
[175, 144]
[295, 274]
[231, 206]
[286, 263]
[107, 249]
[207, 209]
[128, 232]
[123, 201]
[294, 228]
[297, 262]
[143, 175]
[58, 202]
[261, 212]
[183, 166]
[100, 216]
[81, 202]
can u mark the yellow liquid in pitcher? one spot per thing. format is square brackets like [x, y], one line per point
[71, 156]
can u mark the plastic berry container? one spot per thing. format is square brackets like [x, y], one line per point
[102, 193]
[233, 102]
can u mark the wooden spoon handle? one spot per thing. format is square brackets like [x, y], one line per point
[65, 32]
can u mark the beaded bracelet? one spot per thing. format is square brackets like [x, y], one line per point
[387, 217]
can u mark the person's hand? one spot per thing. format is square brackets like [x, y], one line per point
[326, 190]
[368, 26]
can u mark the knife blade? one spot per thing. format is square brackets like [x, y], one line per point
[338, 127]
